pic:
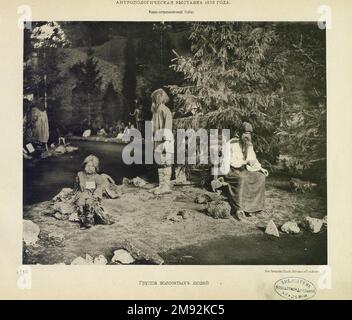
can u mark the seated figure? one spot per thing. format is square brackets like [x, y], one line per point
[91, 187]
[245, 182]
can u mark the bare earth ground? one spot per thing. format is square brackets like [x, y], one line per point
[140, 216]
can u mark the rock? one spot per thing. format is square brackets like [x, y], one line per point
[290, 227]
[79, 261]
[64, 208]
[312, 224]
[71, 149]
[30, 232]
[138, 182]
[122, 256]
[217, 184]
[219, 209]
[183, 213]
[180, 176]
[141, 251]
[64, 194]
[271, 229]
[126, 181]
[55, 238]
[102, 133]
[73, 217]
[174, 217]
[89, 259]
[60, 264]
[60, 149]
[202, 199]
[87, 133]
[100, 260]
[58, 216]
[325, 221]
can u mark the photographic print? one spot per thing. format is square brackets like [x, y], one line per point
[128, 126]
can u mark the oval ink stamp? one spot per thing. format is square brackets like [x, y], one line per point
[294, 288]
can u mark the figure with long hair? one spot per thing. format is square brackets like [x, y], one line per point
[245, 183]
[162, 122]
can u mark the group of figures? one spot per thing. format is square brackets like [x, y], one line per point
[243, 185]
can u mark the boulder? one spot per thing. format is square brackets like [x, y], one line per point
[122, 256]
[58, 216]
[102, 133]
[141, 251]
[60, 149]
[178, 215]
[64, 194]
[73, 217]
[202, 199]
[180, 176]
[138, 182]
[126, 181]
[89, 259]
[71, 148]
[218, 184]
[64, 208]
[290, 227]
[185, 214]
[312, 224]
[81, 261]
[100, 260]
[174, 217]
[87, 133]
[30, 232]
[271, 229]
[219, 209]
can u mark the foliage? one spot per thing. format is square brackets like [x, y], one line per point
[111, 107]
[87, 93]
[154, 55]
[270, 74]
[302, 131]
[41, 67]
[233, 74]
[129, 80]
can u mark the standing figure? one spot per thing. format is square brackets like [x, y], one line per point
[40, 124]
[137, 114]
[162, 119]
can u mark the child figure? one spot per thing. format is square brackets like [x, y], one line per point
[90, 187]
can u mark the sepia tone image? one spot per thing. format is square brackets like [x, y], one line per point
[176, 143]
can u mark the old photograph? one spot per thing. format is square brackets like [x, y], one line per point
[174, 143]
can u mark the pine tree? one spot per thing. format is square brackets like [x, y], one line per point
[88, 90]
[41, 65]
[111, 105]
[302, 131]
[232, 75]
[130, 76]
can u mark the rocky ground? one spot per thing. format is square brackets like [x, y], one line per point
[148, 226]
